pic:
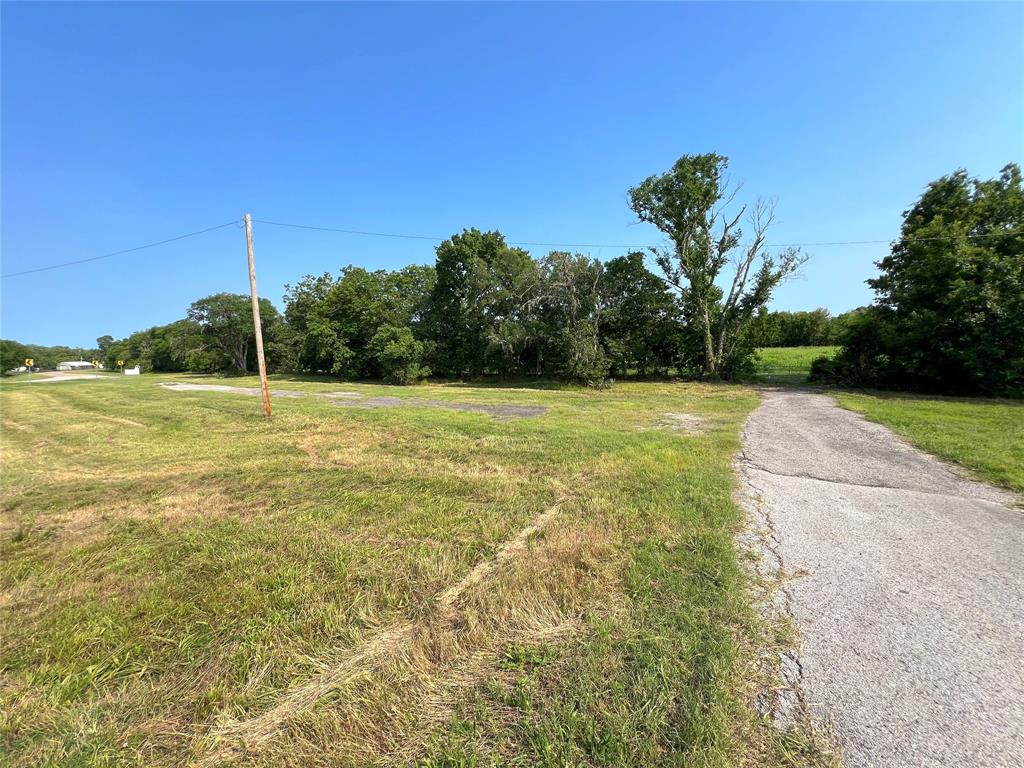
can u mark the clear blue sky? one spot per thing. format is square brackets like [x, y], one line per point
[125, 123]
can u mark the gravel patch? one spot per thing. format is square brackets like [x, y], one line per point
[250, 391]
[682, 422]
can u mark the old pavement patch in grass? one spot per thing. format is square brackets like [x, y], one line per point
[358, 400]
[184, 582]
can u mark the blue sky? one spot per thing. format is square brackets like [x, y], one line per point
[125, 123]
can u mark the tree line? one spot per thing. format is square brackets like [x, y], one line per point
[487, 308]
[815, 328]
[949, 313]
[13, 354]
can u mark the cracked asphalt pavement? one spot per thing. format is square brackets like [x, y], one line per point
[907, 582]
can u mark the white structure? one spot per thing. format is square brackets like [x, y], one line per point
[76, 365]
[132, 371]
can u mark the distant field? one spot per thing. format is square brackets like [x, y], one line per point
[789, 364]
[985, 436]
[184, 582]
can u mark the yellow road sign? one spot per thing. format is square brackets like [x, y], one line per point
[29, 362]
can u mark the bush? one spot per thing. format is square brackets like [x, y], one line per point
[583, 361]
[399, 355]
[949, 314]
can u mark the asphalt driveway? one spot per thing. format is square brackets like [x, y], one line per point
[906, 580]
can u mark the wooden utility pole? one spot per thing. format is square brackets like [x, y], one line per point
[256, 316]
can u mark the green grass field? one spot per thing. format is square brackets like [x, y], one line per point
[185, 583]
[984, 436]
[789, 365]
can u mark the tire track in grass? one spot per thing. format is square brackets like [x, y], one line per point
[396, 641]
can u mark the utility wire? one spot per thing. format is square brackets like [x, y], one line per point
[120, 253]
[620, 245]
[441, 239]
[438, 239]
[348, 231]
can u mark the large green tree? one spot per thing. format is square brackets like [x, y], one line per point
[226, 326]
[639, 317]
[567, 304]
[363, 324]
[949, 311]
[479, 289]
[177, 346]
[692, 205]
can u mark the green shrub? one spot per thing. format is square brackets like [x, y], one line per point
[399, 354]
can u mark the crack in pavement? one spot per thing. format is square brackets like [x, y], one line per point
[758, 468]
[788, 699]
[788, 703]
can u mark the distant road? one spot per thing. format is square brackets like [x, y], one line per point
[908, 587]
[53, 376]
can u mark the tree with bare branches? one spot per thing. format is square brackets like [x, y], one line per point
[695, 206]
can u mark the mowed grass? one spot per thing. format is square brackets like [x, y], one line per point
[186, 583]
[789, 364]
[984, 436]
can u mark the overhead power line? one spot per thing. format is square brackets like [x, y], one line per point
[439, 239]
[122, 252]
[367, 233]
[620, 245]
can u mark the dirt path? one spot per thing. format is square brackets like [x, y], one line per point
[906, 580]
[59, 376]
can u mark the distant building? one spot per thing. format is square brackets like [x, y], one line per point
[76, 365]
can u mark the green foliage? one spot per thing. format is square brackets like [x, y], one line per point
[486, 308]
[225, 325]
[566, 299]
[639, 317]
[225, 322]
[339, 323]
[949, 313]
[12, 355]
[479, 288]
[172, 347]
[399, 355]
[688, 204]
[801, 329]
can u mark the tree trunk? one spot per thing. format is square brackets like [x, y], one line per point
[710, 360]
